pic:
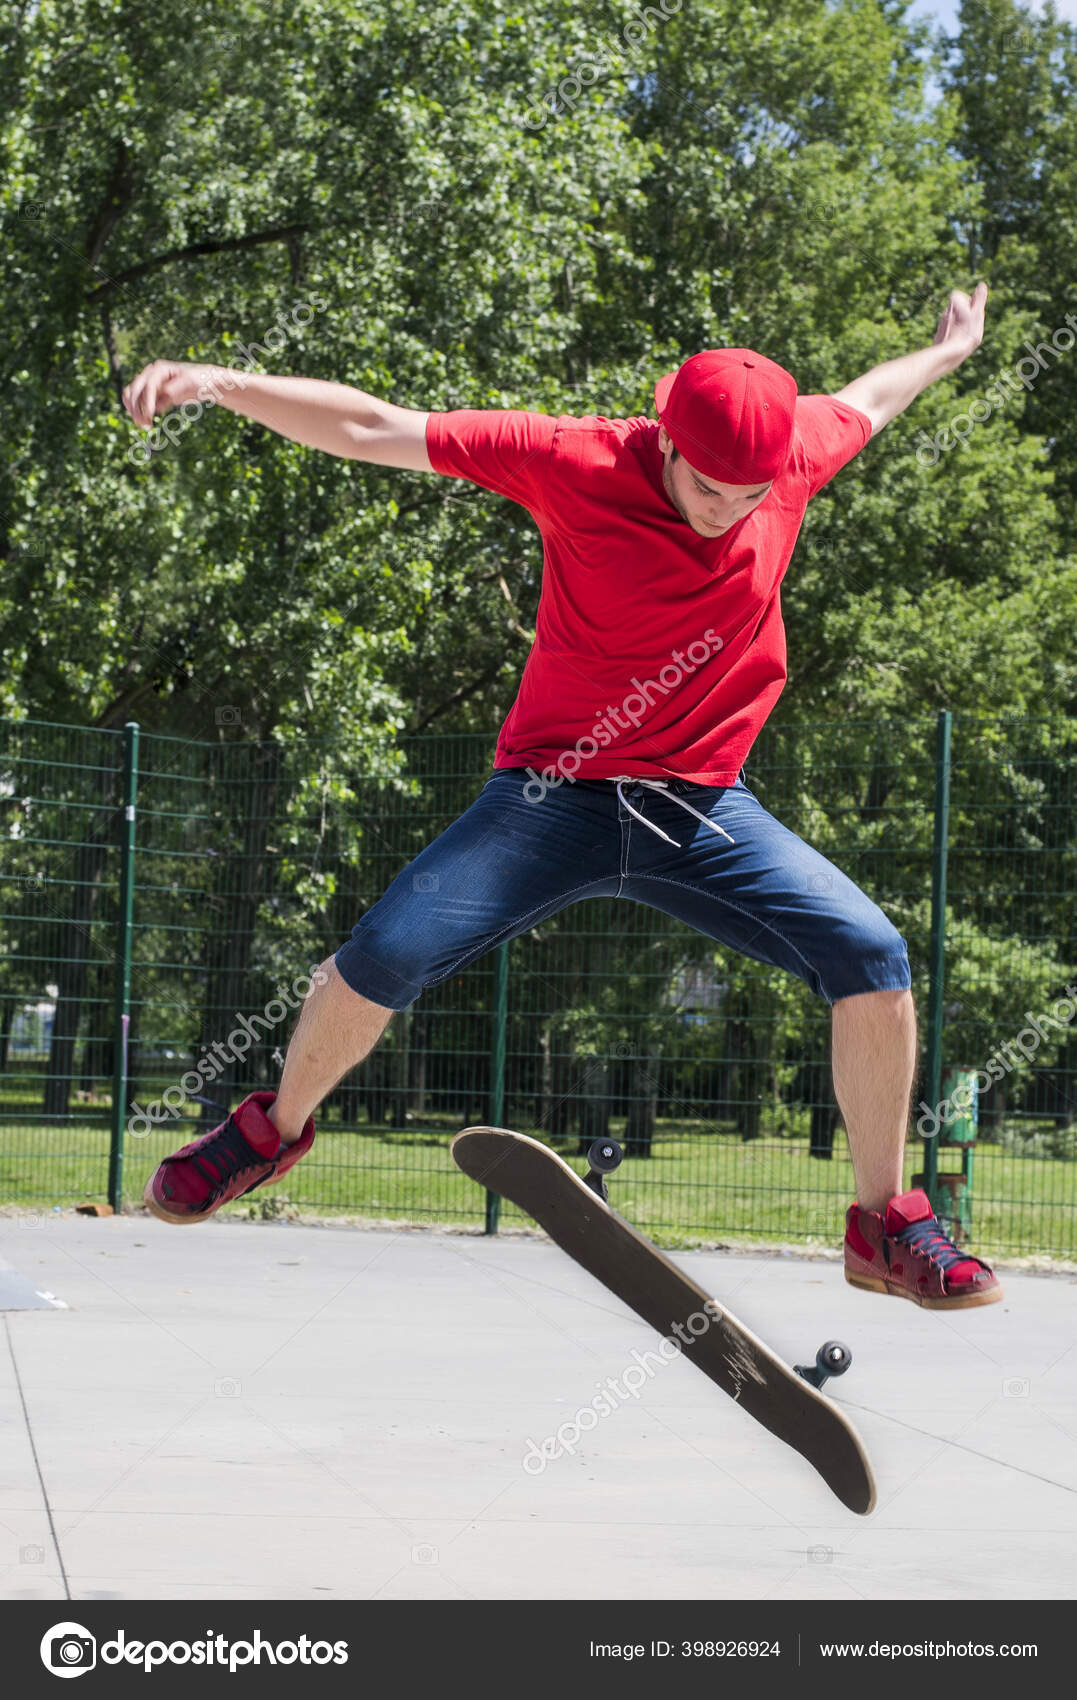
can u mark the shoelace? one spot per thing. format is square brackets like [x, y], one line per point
[927, 1237]
[225, 1156]
[661, 785]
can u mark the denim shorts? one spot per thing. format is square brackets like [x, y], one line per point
[710, 855]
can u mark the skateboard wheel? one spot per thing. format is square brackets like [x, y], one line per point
[833, 1358]
[604, 1156]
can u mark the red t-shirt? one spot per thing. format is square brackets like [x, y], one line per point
[658, 653]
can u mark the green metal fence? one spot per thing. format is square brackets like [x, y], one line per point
[161, 899]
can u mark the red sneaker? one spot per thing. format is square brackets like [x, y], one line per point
[907, 1254]
[244, 1152]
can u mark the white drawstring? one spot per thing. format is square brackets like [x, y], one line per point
[660, 785]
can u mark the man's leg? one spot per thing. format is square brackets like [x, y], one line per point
[893, 1243]
[502, 867]
[764, 892]
[874, 1060]
[505, 860]
[336, 1029]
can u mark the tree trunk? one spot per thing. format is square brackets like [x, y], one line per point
[748, 1105]
[347, 1100]
[84, 1040]
[417, 1066]
[642, 1108]
[373, 1086]
[233, 913]
[822, 1111]
[97, 1046]
[751, 1116]
[594, 1103]
[823, 1123]
[1059, 1085]
[400, 1066]
[420, 1049]
[561, 1109]
[992, 1110]
[545, 1097]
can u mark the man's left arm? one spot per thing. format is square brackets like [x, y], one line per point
[887, 390]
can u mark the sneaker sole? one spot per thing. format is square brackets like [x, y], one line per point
[164, 1215]
[152, 1203]
[872, 1284]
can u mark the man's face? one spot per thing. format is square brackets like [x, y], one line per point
[708, 507]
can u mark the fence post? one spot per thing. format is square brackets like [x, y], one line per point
[937, 959]
[497, 1066]
[123, 964]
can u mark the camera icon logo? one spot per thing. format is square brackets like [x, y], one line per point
[32, 1554]
[227, 1388]
[820, 1555]
[424, 882]
[68, 1649]
[1015, 1387]
[424, 1555]
[228, 715]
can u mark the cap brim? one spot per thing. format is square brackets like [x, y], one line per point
[661, 391]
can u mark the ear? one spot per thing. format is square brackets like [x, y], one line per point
[665, 441]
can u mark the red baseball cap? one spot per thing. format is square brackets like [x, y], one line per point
[731, 413]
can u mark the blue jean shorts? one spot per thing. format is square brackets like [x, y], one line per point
[710, 855]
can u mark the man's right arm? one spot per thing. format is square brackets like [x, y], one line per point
[333, 417]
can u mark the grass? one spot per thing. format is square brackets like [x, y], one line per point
[700, 1183]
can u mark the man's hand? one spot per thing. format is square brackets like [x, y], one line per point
[887, 390]
[162, 385]
[961, 327]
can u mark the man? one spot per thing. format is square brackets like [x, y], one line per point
[659, 653]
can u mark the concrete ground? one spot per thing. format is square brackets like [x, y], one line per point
[260, 1411]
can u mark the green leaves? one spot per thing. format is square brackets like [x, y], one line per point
[175, 177]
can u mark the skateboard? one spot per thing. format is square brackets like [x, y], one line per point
[575, 1212]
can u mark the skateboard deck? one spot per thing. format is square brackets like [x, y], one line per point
[581, 1222]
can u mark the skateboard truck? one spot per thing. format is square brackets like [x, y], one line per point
[832, 1358]
[603, 1157]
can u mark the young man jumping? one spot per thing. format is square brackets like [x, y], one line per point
[659, 653]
